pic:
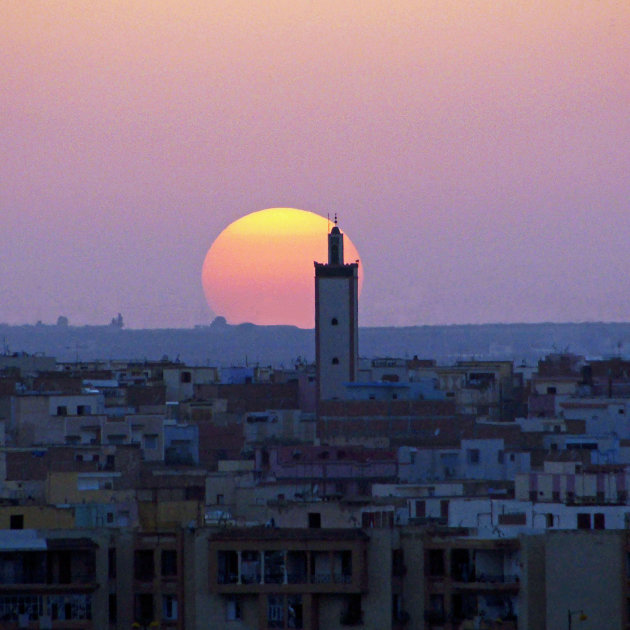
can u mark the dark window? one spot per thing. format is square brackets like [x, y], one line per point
[549, 520]
[551, 390]
[111, 562]
[169, 562]
[473, 455]
[500, 457]
[584, 521]
[143, 608]
[185, 377]
[352, 614]
[220, 499]
[195, 493]
[83, 410]
[444, 508]
[398, 562]
[334, 322]
[16, 521]
[335, 361]
[110, 462]
[434, 562]
[113, 615]
[555, 496]
[599, 521]
[144, 569]
[421, 509]
[314, 520]
[62, 410]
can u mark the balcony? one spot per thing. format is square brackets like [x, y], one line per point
[275, 560]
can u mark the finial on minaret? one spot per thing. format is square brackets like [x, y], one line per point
[335, 245]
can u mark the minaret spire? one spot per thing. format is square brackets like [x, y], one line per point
[335, 245]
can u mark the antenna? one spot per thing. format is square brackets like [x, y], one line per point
[335, 218]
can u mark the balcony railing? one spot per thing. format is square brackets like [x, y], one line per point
[43, 580]
[499, 578]
[299, 577]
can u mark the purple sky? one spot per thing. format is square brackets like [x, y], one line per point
[478, 152]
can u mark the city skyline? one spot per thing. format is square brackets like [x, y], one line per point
[476, 153]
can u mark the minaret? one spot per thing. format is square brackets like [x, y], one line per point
[336, 320]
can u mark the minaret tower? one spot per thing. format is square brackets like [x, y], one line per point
[336, 320]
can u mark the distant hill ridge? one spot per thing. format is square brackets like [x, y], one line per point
[222, 344]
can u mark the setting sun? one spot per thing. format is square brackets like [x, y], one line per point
[260, 268]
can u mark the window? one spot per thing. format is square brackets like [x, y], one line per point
[398, 562]
[144, 569]
[185, 377]
[194, 493]
[583, 521]
[233, 609]
[472, 455]
[84, 410]
[513, 518]
[62, 410]
[334, 322]
[549, 520]
[111, 562]
[500, 457]
[16, 521]
[275, 610]
[599, 520]
[434, 563]
[221, 499]
[113, 604]
[169, 607]
[110, 517]
[421, 509]
[314, 520]
[335, 361]
[169, 562]
[150, 442]
[143, 608]
[551, 390]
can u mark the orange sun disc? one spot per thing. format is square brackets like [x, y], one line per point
[260, 268]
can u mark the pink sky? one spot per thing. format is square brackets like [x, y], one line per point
[477, 152]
